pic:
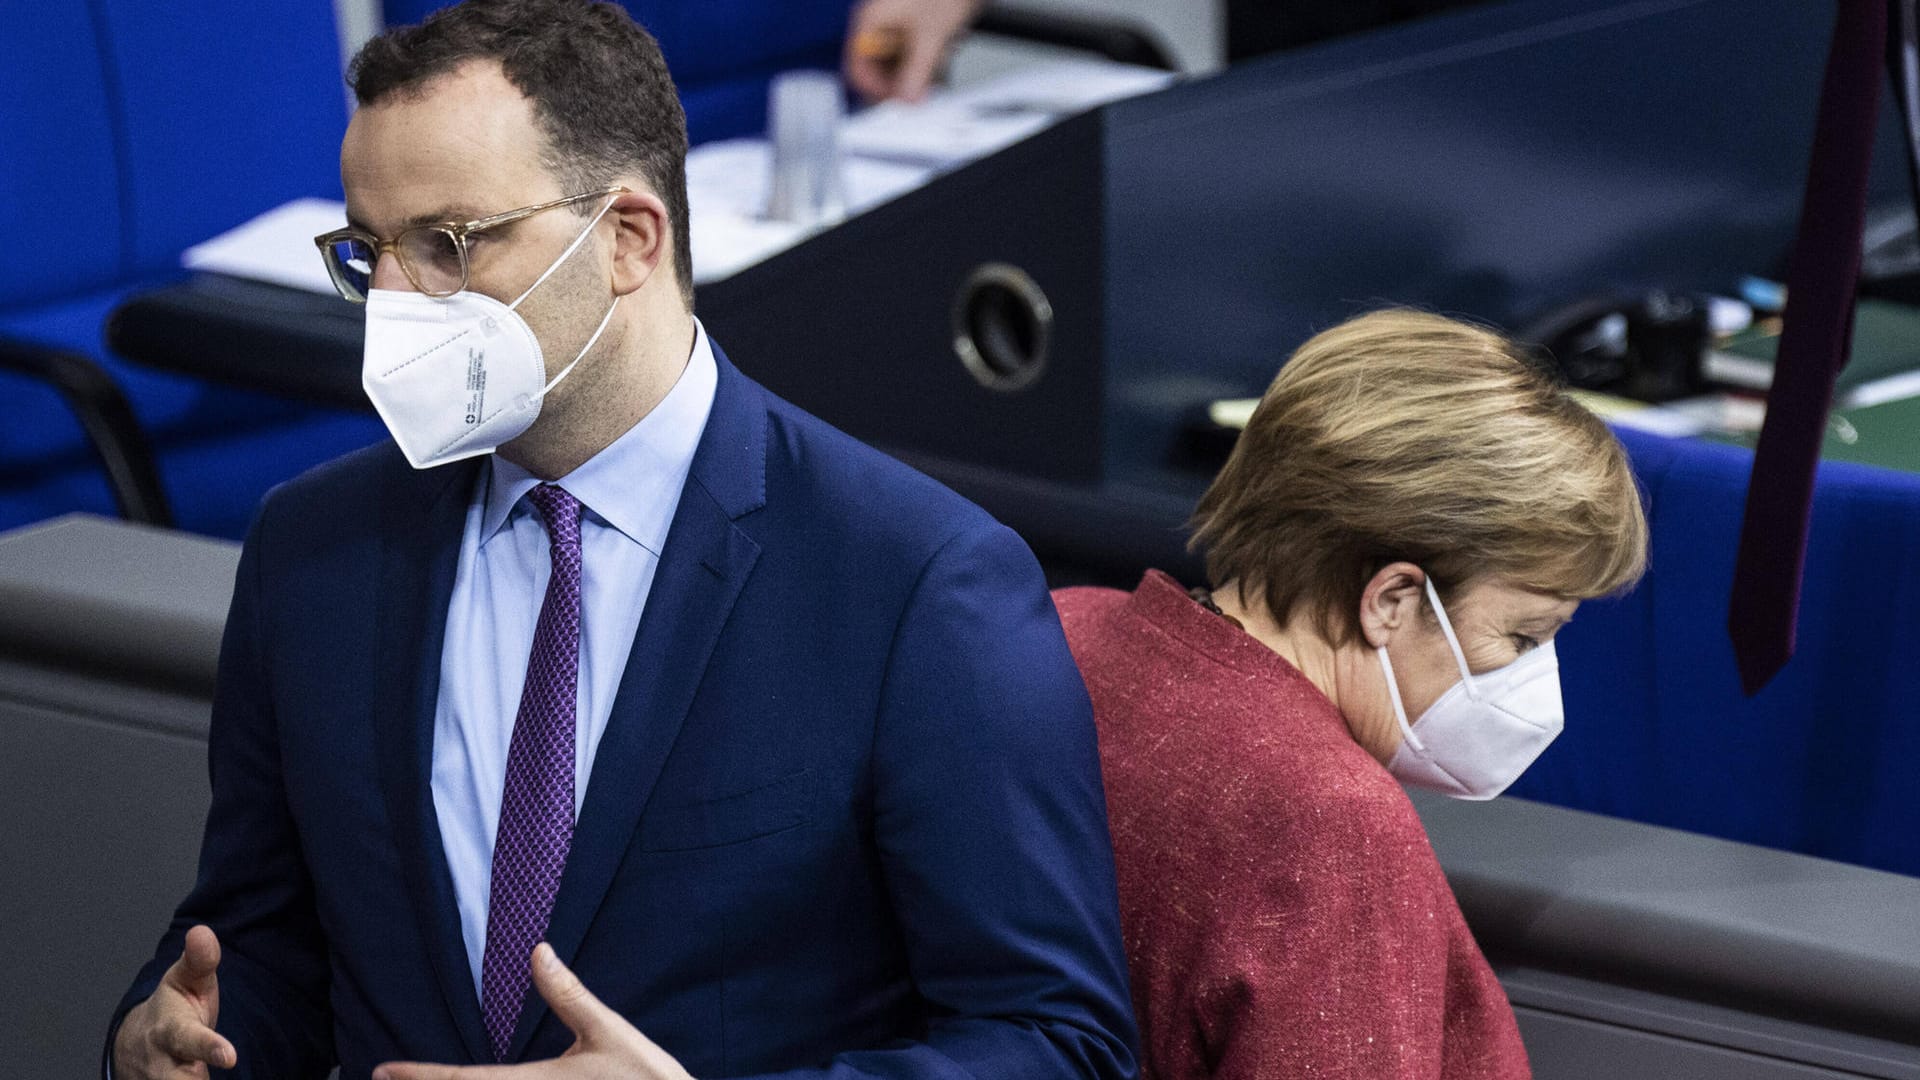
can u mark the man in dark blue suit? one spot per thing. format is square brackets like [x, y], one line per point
[681, 697]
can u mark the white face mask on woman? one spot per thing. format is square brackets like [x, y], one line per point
[456, 376]
[1485, 730]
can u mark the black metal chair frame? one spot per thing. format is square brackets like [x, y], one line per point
[106, 417]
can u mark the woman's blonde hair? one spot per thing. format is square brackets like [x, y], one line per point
[1402, 435]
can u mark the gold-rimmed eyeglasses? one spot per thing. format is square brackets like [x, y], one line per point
[433, 256]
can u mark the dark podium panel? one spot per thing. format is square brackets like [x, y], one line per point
[109, 634]
[1492, 163]
[1630, 950]
[860, 323]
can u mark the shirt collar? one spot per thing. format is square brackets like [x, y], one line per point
[634, 483]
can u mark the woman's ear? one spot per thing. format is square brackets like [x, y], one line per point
[1390, 602]
[642, 233]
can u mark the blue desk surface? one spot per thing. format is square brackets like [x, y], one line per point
[1822, 760]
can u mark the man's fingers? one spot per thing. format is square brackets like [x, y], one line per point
[194, 971]
[569, 999]
[415, 1070]
[567, 996]
[420, 1070]
[187, 1041]
[659, 1063]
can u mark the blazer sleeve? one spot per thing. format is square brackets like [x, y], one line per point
[252, 888]
[991, 824]
[1334, 962]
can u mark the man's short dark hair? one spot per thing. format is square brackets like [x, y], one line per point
[598, 83]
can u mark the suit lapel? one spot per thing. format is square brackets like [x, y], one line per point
[706, 561]
[421, 533]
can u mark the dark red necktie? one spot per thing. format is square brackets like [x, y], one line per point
[1821, 280]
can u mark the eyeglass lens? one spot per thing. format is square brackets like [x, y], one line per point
[351, 261]
[433, 258]
[429, 255]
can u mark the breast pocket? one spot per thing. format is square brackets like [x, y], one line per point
[727, 819]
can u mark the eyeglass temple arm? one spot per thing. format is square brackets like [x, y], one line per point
[476, 225]
[529, 211]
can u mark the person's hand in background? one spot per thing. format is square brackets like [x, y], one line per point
[895, 47]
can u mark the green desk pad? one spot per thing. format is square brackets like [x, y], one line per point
[1886, 341]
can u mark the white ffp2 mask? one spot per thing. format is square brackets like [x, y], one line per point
[454, 377]
[1486, 729]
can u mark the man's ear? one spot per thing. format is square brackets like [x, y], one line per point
[642, 238]
[1390, 602]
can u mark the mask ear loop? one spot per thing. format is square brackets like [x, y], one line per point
[565, 255]
[1399, 707]
[557, 263]
[584, 349]
[1453, 642]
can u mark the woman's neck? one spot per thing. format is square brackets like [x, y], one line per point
[1330, 668]
[1295, 641]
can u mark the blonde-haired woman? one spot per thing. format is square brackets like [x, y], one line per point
[1412, 513]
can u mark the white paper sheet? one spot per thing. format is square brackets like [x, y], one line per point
[275, 247]
[955, 127]
[727, 184]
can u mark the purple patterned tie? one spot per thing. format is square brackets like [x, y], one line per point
[536, 810]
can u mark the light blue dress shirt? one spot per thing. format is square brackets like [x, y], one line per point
[629, 491]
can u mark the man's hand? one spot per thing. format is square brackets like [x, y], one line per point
[170, 1035]
[605, 1046]
[894, 47]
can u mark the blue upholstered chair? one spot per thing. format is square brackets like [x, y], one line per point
[133, 130]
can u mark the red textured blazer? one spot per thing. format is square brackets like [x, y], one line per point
[1283, 911]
